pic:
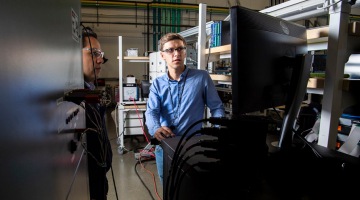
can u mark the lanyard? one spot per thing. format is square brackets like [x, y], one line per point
[172, 127]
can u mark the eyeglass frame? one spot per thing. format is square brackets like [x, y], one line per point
[95, 50]
[179, 49]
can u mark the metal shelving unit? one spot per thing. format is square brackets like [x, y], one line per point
[339, 46]
[128, 121]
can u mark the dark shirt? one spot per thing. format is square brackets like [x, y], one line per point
[98, 183]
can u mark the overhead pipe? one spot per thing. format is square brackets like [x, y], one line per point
[154, 27]
[144, 7]
[159, 27]
[148, 27]
[141, 24]
[178, 18]
[168, 19]
[97, 14]
[173, 17]
[170, 11]
[163, 4]
[163, 20]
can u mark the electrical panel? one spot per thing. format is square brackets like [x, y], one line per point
[153, 62]
[158, 66]
[161, 64]
[39, 144]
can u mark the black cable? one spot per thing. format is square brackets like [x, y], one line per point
[175, 160]
[302, 134]
[114, 183]
[77, 167]
[306, 142]
[188, 149]
[182, 177]
[176, 180]
[103, 148]
[176, 150]
[302, 138]
[179, 167]
[176, 163]
[277, 113]
[92, 56]
[143, 181]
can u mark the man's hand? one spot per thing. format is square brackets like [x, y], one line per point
[163, 132]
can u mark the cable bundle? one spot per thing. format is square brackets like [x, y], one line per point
[174, 179]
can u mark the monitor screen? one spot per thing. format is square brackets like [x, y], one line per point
[261, 48]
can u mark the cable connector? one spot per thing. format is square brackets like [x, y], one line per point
[211, 154]
[222, 121]
[211, 131]
[211, 166]
[209, 143]
[78, 95]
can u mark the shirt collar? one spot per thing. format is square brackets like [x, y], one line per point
[89, 85]
[181, 76]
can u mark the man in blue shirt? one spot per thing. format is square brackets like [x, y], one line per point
[178, 98]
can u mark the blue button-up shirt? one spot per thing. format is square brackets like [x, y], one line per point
[199, 91]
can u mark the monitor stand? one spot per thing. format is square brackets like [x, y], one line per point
[297, 90]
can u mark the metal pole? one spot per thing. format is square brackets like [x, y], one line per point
[173, 17]
[97, 13]
[178, 18]
[202, 36]
[336, 59]
[148, 27]
[154, 28]
[159, 27]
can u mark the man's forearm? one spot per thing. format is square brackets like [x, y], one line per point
[152, 122]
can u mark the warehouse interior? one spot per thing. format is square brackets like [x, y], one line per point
[45, 106]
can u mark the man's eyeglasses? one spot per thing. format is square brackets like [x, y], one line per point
[95, 52]
[172, 50]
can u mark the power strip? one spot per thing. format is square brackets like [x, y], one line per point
[146, 149]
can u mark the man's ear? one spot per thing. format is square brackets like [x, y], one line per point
[162, 55]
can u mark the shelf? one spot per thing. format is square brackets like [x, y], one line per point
[321, 32]
[228, 109]
[283, 106]
[220, 77]
[137, 106]
[223, 89]
[317, 38]
[348, 84]
[217, 53]
[135, 59]
[226, 49]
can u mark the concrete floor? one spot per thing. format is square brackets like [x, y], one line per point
[128, 184]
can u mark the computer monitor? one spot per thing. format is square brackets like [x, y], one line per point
[145, 89]
[268, 66]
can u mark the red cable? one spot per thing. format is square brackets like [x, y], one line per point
[139, 119]
[152, 176]
[152, 155]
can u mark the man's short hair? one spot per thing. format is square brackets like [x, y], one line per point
[170, 36]
[87, 32]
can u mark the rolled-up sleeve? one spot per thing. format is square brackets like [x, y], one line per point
[152, 113]
[212, 98]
